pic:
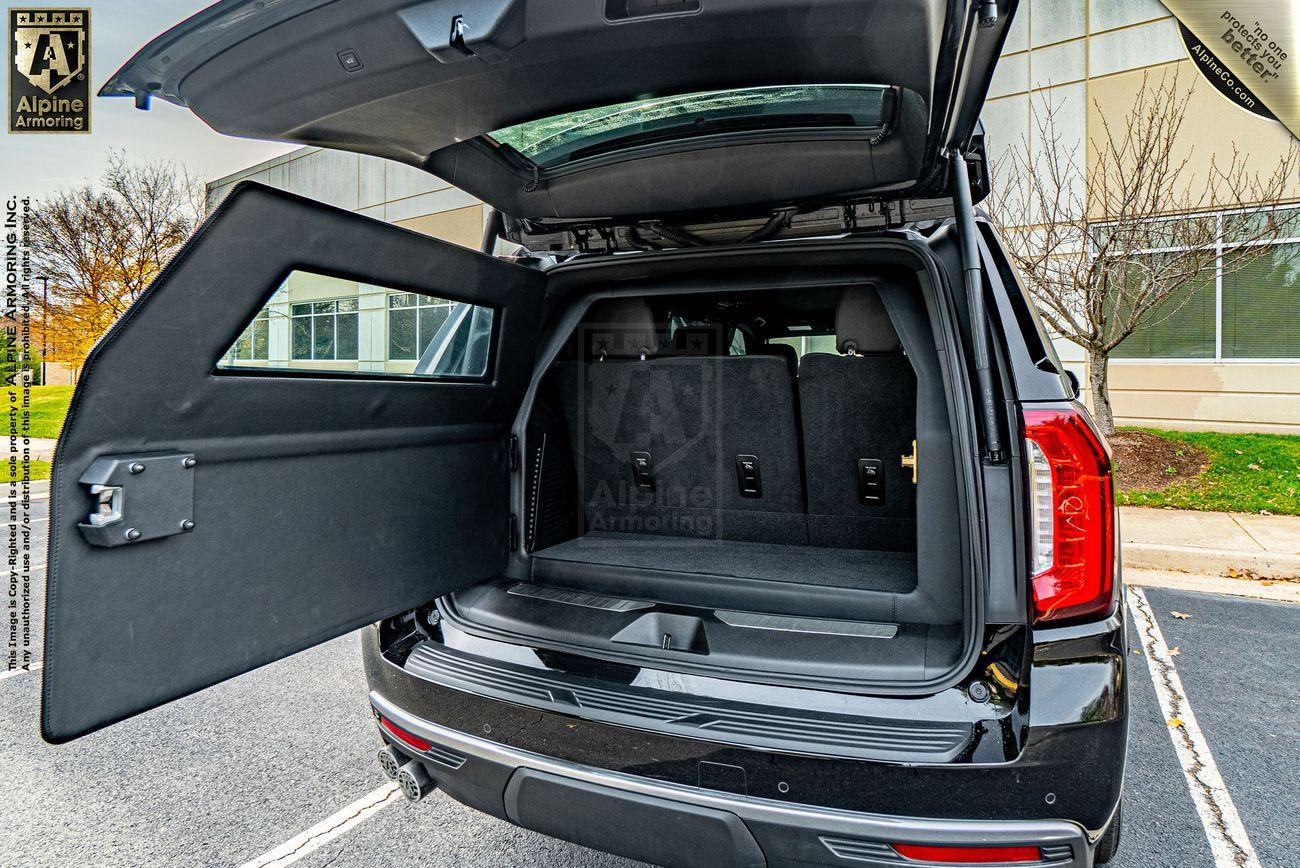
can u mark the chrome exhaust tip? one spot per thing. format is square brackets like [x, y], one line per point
[390, 762]
[414, 781]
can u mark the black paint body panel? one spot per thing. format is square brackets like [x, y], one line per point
[1077, 755]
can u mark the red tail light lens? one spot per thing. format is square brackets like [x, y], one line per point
[1073, 515]
[403, 736]
[967, 855]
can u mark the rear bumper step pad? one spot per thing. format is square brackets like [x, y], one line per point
[767, 727]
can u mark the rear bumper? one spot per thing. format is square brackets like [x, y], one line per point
[673, 824]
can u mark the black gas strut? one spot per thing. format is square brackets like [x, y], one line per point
[493, 228]
[979, 327]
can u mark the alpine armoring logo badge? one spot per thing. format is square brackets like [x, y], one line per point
[49, 79]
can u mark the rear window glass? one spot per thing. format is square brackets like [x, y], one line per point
[555, 140]
[806, 344]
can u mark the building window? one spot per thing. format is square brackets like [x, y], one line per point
[254, 344]
[324, 330]
[1182, 327]
[1242, 309]
[413, 320]
[1261, 306]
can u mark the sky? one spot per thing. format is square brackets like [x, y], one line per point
[39, 164]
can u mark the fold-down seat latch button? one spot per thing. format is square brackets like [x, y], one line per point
[871, 481]
[748, 476]
[643, 471]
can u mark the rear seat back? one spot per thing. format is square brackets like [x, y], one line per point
[691, 418]
[861, 405]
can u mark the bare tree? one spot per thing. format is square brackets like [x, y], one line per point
[1118, 246]
[102, 244]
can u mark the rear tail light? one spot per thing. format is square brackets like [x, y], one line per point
[967, 855]
[406, 738]
[1072, 506]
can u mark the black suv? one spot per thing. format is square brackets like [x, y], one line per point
[741, 515]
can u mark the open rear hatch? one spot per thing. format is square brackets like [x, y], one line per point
[525, 103]
[233, 552]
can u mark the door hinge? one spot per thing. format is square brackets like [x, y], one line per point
[139, 497]
[514, 454]
[512, 532]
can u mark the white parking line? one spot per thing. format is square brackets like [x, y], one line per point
[35, 498]
[14, 673]
[1229, 842]
[328, 829]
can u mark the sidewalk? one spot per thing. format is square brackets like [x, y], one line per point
[43, 449]
[1211, 543]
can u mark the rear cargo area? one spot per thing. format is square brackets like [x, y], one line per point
[754, 484]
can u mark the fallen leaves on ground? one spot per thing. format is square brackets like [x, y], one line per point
[1175, 651]
[1252, 576]
[1175, 721]
[1182, 616]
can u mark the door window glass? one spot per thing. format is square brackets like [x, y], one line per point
[413, 320]
[254, 343]
[318, 323]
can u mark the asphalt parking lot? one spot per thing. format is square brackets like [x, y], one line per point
[275, 767]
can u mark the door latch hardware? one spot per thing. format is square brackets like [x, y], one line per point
[643, 471]
[871, 481]
[457, 38]
[454, 31]
[109, 504]
[748, 476]
[139, 497]
[909, 462]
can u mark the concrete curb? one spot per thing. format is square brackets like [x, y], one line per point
[1282, 592]
[1213, 562]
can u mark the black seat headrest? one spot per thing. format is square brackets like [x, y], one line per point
[621, 328]
[784, 351]
[862, 324]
